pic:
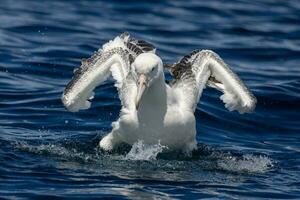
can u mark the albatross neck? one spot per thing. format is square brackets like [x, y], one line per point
[154, 99]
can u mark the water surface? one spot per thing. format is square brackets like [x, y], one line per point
[46, 151]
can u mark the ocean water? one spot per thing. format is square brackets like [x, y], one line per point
[47, 152]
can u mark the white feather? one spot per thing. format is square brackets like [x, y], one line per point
[236, 95]
[77, 98]
[117, 42]
[166, 114]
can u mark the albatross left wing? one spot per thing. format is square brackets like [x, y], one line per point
[204, 67]
[114, 59]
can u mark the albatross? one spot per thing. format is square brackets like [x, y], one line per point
[154, 111]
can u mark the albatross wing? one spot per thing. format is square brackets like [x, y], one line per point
[204, 67]
[114, 59]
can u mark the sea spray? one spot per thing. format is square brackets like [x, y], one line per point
[141, 151]
[247, 163]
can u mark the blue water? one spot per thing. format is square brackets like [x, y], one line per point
[47, 152]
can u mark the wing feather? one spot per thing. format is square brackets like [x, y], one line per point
[85, 80]
[204, 67]
[114, 59]
[236, 95]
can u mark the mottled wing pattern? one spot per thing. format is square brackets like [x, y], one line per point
[136, 47]
[114, 59]
[204, 67]
[185, 84]
[128, 90]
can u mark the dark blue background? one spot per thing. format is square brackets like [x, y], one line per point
[46, 151]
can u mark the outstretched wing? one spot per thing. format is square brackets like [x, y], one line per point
[114, 59]
[200, 68]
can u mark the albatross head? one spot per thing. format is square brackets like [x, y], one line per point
[148, 68]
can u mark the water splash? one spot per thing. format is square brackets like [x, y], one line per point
[211, 158]
[205, 158]
[247, 163]
[141, 151]
[56, 150]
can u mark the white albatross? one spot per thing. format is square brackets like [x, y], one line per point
[152, 110]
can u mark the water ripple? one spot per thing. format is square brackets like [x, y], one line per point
[47, 152]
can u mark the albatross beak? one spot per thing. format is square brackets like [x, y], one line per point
[142, 84]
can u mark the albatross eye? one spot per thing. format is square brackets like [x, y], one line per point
[152, 69]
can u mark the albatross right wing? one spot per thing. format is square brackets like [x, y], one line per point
[204, 67]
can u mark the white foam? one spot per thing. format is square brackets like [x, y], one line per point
[53, 149]
[227, 162]
[248, 163]
[141, 151]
